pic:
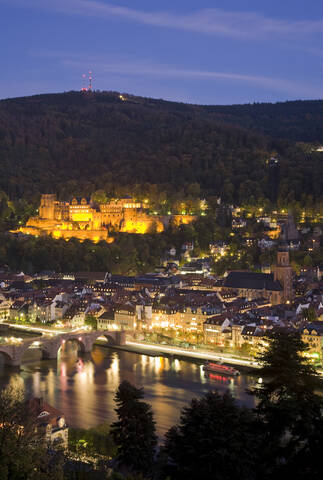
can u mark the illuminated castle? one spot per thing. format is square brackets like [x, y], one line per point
[84, 220]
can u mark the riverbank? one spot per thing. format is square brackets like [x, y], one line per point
[246, 364]
[154, 350]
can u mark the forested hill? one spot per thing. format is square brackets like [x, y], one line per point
[75, 143]
[300, 120]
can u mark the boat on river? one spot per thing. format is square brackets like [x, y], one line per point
[220, 368]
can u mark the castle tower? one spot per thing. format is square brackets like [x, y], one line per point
[283, 273]
[47, 207]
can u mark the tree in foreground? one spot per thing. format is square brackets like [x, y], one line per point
[134, 431]
[119, 476]
[214, 439]
[289, 407]
[23, 455]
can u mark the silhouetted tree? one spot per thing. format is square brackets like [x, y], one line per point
[288, 405]
[134, 431]
[214, 439]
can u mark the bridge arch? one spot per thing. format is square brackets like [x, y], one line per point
[51, 345]
[6, 357]
[46, 349]
[109, 336]
[78, 340]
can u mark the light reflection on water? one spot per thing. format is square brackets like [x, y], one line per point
[83, 386]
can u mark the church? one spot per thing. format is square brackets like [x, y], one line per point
[277, 286]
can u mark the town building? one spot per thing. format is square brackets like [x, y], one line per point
[18, 311]
[5, 305]
[50, 423]
[275, 286]
[254, 339]
[125, 317]
[40, 311]
[106, 321]
[312, 335]
[252, 285]
[217, 330]
[75, 315]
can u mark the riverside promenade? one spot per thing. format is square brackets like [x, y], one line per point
[197, 354]
[155, 349]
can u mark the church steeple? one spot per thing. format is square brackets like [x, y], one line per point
[283, 255]
[283, 272]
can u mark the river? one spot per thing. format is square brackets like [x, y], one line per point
[83, 387]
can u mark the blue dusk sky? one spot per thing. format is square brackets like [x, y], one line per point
[206, 51]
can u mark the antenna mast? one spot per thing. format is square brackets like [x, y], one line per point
[90, 81]
[84, 89]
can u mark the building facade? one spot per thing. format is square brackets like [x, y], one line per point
[277, 287]
[283, 274]
[83, 219]
[50, 423]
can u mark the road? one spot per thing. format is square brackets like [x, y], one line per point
[203, 355]
[145, 347]
[52, 331]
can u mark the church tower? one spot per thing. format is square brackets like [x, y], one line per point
[283, 273]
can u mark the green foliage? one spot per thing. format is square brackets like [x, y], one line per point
[119, 476]
[296, 120]
[214, 439]
[308, 261]
[93, 441]
[165, 154]
[134, 431]
[22, 455]
[289, 406]
[99, 196]
[224, 217]
[309, 314]
[49, 141]
[91, 321]
[129, 254]
[281, 438]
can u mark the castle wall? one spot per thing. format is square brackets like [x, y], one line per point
[94, 235]
[41, 223]
[113, 219]
[81, 220]
[178, 220]
[140, 222]
[47, 206]
[81, 213]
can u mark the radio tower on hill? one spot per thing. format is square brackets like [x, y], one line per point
[84, 89]
[90, 81]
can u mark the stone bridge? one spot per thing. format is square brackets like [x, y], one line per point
[49, 345]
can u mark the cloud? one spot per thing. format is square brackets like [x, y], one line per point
[128, 66]
[207, 21]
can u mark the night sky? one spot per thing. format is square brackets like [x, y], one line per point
[211, 52]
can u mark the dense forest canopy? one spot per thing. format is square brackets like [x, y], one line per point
[75, 143]
[299, 121]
